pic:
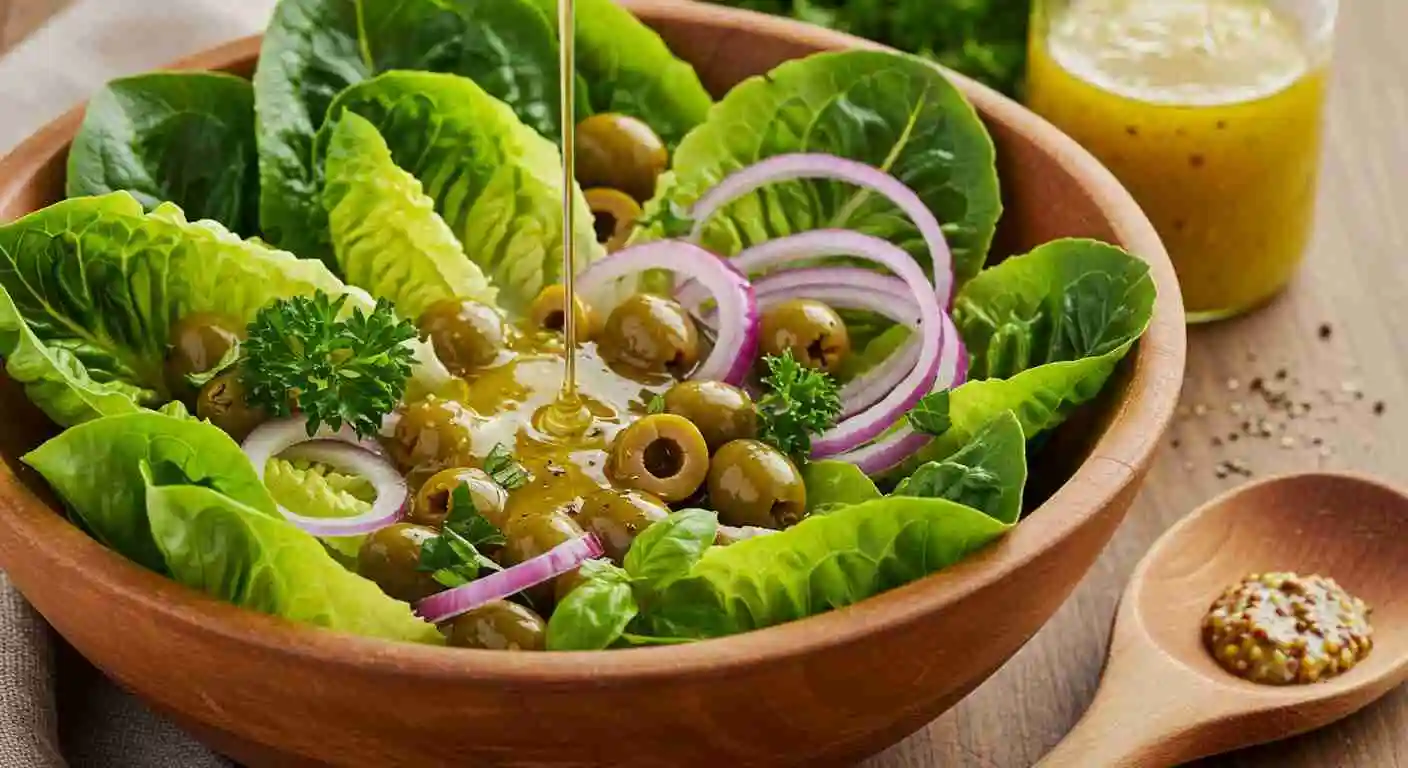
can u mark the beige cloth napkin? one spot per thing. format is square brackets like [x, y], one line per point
[55, 710]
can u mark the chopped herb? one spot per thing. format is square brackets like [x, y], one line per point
[505, 470]
[453, 558]
[930, 414]
[656, 405]
[799, 403]
[332, 371]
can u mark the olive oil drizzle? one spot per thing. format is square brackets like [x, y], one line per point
[568, 416]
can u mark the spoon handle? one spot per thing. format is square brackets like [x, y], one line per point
[1117, 732]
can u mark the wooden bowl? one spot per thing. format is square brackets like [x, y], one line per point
[826, 690]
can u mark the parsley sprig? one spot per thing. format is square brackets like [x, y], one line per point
[799, 403]
[302, 357]
[453, 558]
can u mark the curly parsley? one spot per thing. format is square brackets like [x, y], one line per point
[799, 403]
[301, 357]
[453, 558]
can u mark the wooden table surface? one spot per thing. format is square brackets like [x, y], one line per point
[1354, 290]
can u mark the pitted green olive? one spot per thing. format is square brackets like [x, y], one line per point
[662, 454]
[752, 483]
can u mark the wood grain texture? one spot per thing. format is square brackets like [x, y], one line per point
[18, 18]
[1355, 279]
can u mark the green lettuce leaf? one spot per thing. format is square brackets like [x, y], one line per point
[824, 562]
[98, 283]
[988, 474]
[496, 183]
[1055, 322]
[180, 137]
[96, 470]
[386, 234]
[836, 483]
[236, 553]
[314, 49]
[629, 70]
[891, 111]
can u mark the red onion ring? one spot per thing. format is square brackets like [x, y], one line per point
[565, 557]
[871, 423]
[904, 441]
[342, 450]
[737, 340]
[793, 167]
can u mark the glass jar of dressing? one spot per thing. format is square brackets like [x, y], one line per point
[1209, 112]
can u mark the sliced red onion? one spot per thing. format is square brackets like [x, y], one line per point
[866, 426]
[737, 339]
[818, 166]
[904, 441]
[839, 287]
[871, 386]
[563, 558]
[342, 450]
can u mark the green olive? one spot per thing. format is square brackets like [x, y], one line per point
[814, 333]
[199, 341]
[617, 517]
[391, 558]
[528, 536]
[614, 214]
[752, 483]
[620, 152]
[652, 334]
[662, 454]
[222, 402]
[546, 313]
[466, 334]
[499, 625]
[432, 432]
[722, 412]
[432, 502]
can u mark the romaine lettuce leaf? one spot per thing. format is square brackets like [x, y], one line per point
[90, 287]
[180, 137]
[1055, 322]
[313, 49]
[988, 474]
[824, 562]
[386, 234]
[495, 182]
[833, 483]
[236, 553]
[891, 111]
[629, 70]
[95, 469]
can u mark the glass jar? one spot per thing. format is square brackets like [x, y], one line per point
[1209, 112]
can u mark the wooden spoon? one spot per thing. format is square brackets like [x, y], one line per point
[1164, 701]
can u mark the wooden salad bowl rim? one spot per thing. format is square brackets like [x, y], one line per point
[1117, 461]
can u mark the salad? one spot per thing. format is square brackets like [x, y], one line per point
[302, 333]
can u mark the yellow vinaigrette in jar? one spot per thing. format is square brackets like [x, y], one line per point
[1209, 112]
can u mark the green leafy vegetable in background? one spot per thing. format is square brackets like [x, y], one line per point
[798, 402]
[629, 70]
[495, 182]
[930, 414]
[385, 232]
[984, 39]
[988, 474]
[316, 490]
[896, 113]
[1053, 324]
[91, 287]
[304, 355]
[180, 137]
[314, 49]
